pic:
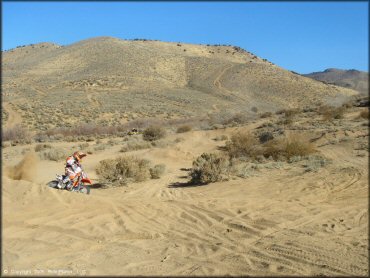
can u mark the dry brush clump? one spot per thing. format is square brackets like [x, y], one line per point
[330, 113]
[184, 128]
[125, 169]
[242, 144]
[157, 171]
[134, 146]
[245, 153]
[53, 154]
[41, 147]
[245, 144]
[154, 133]
[210, 167]
[15, 133]
[364, 114]
[285, 148]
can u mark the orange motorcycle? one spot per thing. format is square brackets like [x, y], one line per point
[79, 184]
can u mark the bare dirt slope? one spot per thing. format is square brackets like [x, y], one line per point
[140, 79]
[281, 220]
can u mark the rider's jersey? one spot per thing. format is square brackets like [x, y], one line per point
[73, 167]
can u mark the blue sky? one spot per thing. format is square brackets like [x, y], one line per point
[298, 36]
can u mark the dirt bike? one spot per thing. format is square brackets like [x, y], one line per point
[79, 183]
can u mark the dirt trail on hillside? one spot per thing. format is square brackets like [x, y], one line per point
[91, 98]
[13, 116]
[278, 222]
[217, 83]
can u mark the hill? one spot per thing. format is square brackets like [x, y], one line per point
[352, 79]
[111, 81]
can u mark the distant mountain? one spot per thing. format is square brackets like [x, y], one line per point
[352, 79]
[110, 80]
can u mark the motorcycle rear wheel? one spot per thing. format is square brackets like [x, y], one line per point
[84, 189]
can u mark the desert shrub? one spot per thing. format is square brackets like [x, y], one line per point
[100, 147]
[242, 144]
[266, 115]
[291, 112]
[364, 114]
[15, 133]
[330, 113]
[40, 137]
[288, 147]
[53, 154]
[178, 140]
[238, 118]
[124, 169]
[314, 163]
[5, 144]
[254, 109]
[134, 146]
[242, 169]
[184, 128]
[153, 133]
[83, 146]
[161, 143]
[265, 136]
[41, 147]
[157, 171]
[112, 142]
[209, 167]
[222, 137]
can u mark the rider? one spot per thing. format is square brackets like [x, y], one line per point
[73, 167]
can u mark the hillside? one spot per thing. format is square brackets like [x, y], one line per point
[352, 79]
[110, 81]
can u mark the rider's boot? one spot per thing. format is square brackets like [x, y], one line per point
[68, 186]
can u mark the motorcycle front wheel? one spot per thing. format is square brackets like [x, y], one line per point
[53, 184]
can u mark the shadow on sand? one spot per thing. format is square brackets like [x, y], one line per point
[98, 186]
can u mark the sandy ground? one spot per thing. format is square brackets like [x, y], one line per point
[280, 221]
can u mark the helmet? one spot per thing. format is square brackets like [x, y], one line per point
[78, 155]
